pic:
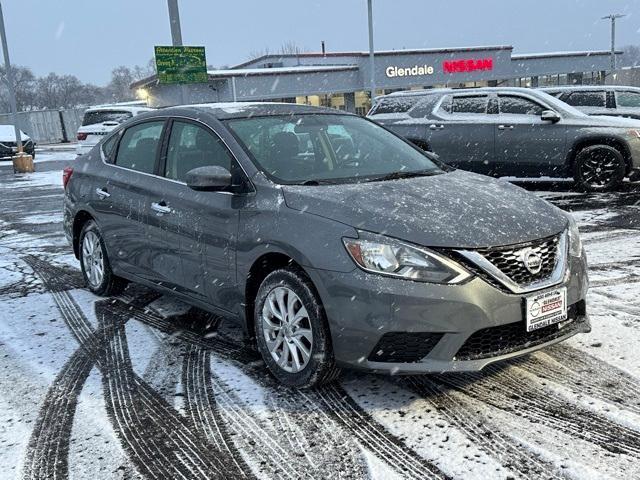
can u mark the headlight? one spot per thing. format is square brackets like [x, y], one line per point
[386, 256]
[575, 244]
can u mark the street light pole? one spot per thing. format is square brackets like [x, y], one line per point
[174, 19]
[613, 18]
[10, 83]
[372, 70]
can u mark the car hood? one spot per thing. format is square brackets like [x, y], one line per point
[453, 210]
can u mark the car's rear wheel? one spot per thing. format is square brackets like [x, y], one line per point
[292, 333]
[599, 168]
[96, 268]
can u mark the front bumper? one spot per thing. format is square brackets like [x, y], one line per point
[362, 308]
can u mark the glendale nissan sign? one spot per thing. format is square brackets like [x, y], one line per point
[463, 65]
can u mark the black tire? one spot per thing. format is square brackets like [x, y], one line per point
[110, 283]
[599, 168]
[321, 368]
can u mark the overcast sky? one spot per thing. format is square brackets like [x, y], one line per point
[88, 38]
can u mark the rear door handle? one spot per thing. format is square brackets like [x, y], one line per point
[433, 126]
[160, 208]
[505, 127]
[102, 193]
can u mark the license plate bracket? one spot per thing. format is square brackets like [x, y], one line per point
[545, 308]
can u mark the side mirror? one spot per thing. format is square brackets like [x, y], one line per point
[550, 116]
[209, 179]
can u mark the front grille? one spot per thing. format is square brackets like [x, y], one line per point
[404, 347]
[509, 259]
[494, 341]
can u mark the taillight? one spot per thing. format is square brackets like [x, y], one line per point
[66, 176]
[82, 136]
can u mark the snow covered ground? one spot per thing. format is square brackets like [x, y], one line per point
[137, 387]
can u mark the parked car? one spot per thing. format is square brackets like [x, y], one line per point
[334, 242]
[9, 146]
[515, 132]
[613, 100]
[99, 121]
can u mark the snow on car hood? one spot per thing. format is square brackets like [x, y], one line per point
[611, 121]
[8, 134]
[455, 210]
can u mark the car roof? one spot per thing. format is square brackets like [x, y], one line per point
[118, 108]
[471, 91]
[225, 111]
[572, 88]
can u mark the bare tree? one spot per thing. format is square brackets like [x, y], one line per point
[291, 48]
[631, 56]
[24, 80]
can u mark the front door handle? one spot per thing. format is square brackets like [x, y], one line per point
[433, 126]
[505, 127]
[160, 208]
[102, 193]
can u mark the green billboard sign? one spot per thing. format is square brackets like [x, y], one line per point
[181, 64]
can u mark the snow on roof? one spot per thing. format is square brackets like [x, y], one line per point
[8, 134]
[583, 53]
[269, 71]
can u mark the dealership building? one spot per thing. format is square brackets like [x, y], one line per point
[343, 79]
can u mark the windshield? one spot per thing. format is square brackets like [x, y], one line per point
[100, 116]
[306, 148]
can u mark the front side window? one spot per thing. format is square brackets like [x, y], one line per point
[399, 104]
[514, 105]
[628, 99]
[587, 99]
[326, 147]
[469, 104]
[192, 146]
[139, 146]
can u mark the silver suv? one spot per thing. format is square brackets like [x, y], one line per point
[615, 101]
[515, 132]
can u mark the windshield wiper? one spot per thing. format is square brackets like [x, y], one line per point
[398, 175]
[314, 183]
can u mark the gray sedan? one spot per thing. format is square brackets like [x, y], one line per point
[515, 132]
[332, 241]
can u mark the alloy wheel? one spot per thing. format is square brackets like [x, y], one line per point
[600, 169]
[92, 259]
[287, 329]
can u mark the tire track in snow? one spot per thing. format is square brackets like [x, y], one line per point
[48, 448]
[159, 442]
[306, 455]
[507, 390]
[333, 402]
[570, 367]
[485, 435]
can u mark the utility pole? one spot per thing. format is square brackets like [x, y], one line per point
[176, 37]
[174, 19]
[372, 70]
[613, 18]
[10, 83]
[22, 163]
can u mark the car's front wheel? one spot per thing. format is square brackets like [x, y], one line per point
[292, 333]
[95, 265]
[599, 168]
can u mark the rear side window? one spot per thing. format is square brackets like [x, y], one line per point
[139, 146]
[394, 105]
[628, 99]
[514, 105]
[100, 116]
[469, 104]
[191, 146]
[587, 99]
[109, 145]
